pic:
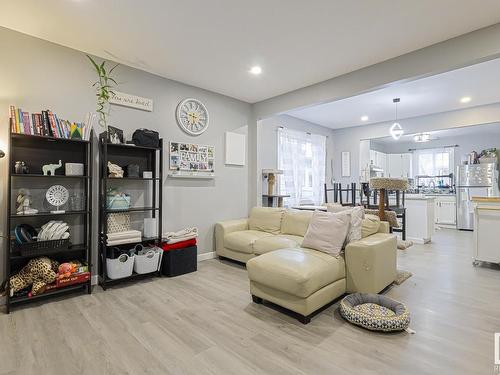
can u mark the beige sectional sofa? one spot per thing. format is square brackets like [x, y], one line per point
[299, 279]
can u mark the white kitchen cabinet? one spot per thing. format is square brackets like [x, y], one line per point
[399, 165]
[407, 165]
[382, 160]
[446, 210]
[379, 159]
[394, 165]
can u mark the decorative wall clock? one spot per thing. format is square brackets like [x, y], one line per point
[192, 116]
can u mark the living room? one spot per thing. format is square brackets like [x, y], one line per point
[195, 187]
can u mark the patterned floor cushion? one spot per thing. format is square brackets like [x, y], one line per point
[375, 312]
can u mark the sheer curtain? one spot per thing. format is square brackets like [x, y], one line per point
[302, 157]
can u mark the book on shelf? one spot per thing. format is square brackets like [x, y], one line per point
[48, 124]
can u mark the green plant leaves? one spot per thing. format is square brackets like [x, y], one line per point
[103, 89]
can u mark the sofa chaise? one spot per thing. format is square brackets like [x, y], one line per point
[300, 279]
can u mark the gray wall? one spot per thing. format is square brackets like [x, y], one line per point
[35, 75]
[347, 139]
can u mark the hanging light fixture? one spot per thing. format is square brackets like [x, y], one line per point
[422, 137]
[396, 130]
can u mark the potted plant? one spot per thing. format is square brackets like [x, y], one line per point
[104, 90]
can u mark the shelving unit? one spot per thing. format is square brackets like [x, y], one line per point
[148, 159]
[37, 151]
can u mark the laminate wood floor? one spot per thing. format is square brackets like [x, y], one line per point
[205, 323]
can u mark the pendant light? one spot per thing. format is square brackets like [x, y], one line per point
[396, 130]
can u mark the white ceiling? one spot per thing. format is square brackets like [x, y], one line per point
[438, 93]
[492, 130]
[212, 44]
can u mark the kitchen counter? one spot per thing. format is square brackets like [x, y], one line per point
[440, 194]
[421, 197]
[486, 199]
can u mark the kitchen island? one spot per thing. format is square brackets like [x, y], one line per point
[419, 217]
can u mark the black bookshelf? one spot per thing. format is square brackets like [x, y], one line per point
[148, 159]
[37, 151]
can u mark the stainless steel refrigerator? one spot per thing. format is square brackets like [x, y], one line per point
[475, 180]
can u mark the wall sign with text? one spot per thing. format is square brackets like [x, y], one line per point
[132, 101]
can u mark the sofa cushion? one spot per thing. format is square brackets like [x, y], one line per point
[296, 222]
[265, 244]
[299, 272]
[371, 224]
[327, 232]
[243, 240]
[266, 219]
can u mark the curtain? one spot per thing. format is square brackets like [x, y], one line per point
[302, 158]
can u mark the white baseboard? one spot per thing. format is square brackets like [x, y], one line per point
[206, 256]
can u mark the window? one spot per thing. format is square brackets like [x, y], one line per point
[435, 162]
[302, 158]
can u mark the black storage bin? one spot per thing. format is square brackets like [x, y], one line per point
[179, 261]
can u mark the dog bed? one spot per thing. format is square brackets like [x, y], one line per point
[375, 312]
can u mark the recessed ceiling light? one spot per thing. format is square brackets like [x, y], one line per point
[364, 118]
[256, 70]
[465, 99]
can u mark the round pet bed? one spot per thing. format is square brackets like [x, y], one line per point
[375, 312]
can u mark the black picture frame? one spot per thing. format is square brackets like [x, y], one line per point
[115, 135]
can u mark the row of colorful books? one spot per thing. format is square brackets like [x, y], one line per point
[48, 124]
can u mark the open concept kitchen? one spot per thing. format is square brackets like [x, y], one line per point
[446, 170]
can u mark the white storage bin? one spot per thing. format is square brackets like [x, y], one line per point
[120, 267]
[149, 262]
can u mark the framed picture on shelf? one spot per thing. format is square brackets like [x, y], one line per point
[115, 135]
[191, 157]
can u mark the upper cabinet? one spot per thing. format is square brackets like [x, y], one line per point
[378, 159]
[399, 165]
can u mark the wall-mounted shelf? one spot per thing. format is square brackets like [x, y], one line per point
[192, 176]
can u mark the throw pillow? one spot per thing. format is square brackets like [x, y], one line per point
[327, 232]
[371, 224]
[357, 216]
[356, 223]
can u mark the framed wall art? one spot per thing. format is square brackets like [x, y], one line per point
[346, 163]
[191, 157]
